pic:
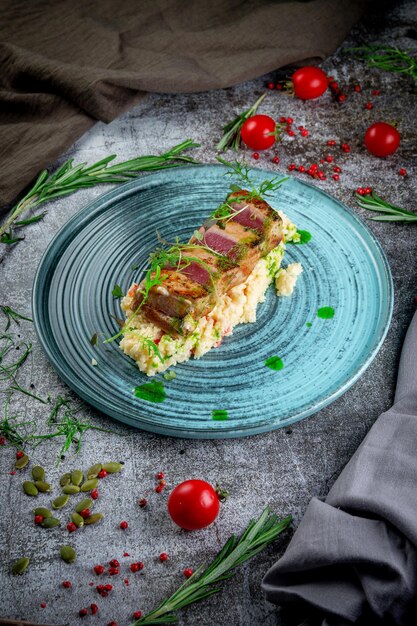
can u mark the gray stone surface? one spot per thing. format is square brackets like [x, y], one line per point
[283, 469]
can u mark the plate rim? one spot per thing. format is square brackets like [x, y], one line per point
[269, 424]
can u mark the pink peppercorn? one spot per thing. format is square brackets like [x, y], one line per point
[136, 567]
[124, 525]
[99, 569]
[66, 584]
[71, 527]
[163, 557]
[83, 612]
[94, 609]
[137, 614]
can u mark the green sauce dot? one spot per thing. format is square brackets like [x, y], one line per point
[326, 312]
[309, 324]
[151, 392]
[305, 236]
[274, 363]
[219, 416]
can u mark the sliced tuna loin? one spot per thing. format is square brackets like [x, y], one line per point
[220, 255]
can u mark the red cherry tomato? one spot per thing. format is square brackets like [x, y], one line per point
[309, 82]
[382, 139]
[258, 132]
[193, 504]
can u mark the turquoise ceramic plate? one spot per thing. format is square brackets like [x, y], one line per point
[344, 267]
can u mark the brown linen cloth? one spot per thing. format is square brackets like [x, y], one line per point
[66, 64]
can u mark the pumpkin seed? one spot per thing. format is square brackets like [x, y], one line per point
[93, 519]
[42, 486]
[65, 479]
[41, 510]
[112, 468]
[20, 566]
[71, 489]
[87, 503]
[94, 471]
[50, 522]
[60, 501]
[22, 462]
[68, 554]
[77, 519]
[38, 473]
[30, 488]
[89, 484]
[77, 477]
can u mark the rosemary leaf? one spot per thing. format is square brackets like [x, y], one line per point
[231, 131]
[389, 212]
[387, 59]
[204, 582]
[69, 178]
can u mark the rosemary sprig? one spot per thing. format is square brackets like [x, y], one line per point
[70, 178]
[390, 212]
[388, 59]
[204, 582]
[231, 131]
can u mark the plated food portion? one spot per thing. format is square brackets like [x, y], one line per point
[194, 294]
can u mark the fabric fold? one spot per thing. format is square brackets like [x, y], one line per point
[355, 554]
[71, 63]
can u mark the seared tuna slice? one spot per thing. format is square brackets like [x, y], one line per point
[220, 255]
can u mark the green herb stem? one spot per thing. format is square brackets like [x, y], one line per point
[387, 59]
[70, 178]
[204, 582]
[231, 131]
[389, 212]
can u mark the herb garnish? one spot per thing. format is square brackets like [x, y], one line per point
[387, 59]
[117, 292]
[19, 433]
[391, 213]
[274, 363]
[69, 178]
[179, 256]
[231, 137]
[68, 426]
[204, 582]
[94, 339]
[305, 237]
[169, 375]
[151, 392]
[12, 315]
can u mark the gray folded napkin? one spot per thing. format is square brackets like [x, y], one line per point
[353, 557]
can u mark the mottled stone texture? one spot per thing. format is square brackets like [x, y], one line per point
[283, 469]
